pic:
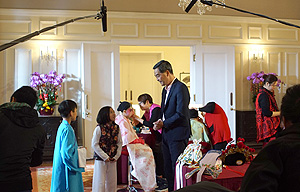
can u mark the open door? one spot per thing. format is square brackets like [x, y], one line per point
[101, 85]
[213, 79]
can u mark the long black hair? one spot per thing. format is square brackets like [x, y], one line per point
[103, 115]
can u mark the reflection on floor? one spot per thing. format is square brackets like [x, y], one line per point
[41, 177]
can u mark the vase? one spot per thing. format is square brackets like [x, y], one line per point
[45, 111]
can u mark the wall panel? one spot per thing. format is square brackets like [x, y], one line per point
[124, 30]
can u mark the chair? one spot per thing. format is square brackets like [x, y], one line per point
[130, 187]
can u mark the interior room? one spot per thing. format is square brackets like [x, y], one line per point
[213, 53]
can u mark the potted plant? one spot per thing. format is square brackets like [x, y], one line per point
[47, 86]
[257, 81]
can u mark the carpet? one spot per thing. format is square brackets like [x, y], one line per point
[41, 177]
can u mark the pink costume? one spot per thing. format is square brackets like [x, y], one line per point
[141, 155]
[148, 115]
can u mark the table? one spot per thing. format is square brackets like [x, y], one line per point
[122, 163]
[231, 177]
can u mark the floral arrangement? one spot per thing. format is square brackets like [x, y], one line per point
[257, 81]
[239, 147]
[47, 86]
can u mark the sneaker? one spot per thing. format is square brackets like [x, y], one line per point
[160, 181]
[161, 188]
[162, 184]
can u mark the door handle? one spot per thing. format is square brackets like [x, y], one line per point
[232, 109]
[231, 99]
[130, 95]
[86, 102]
[126, 95]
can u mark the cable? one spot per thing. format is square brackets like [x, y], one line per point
[210, 3]
[36, 33]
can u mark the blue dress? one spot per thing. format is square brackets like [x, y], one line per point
[66, 173]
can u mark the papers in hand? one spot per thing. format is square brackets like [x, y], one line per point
[82, 157]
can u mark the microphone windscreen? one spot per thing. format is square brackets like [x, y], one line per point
[104, 18]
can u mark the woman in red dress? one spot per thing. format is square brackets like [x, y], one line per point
[267, 112]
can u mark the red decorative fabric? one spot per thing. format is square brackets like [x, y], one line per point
[231, 177]
[219, 121]
[266, 126]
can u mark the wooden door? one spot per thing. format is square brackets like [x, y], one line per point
[101, 85]
[136, 74]
[213, 79]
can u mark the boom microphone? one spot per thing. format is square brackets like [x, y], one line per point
[104, 17]
[192, 3]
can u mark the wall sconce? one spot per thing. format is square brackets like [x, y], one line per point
[256, 56]
[48, 56]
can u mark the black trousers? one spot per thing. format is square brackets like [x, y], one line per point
[171, 151]
[159, 160]
[220, 146]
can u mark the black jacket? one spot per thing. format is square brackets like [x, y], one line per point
[276, 167]
[22, 141]
[175, 108]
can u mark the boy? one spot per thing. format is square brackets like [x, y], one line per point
[66, 173]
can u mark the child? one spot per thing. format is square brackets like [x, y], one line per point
[66, 173]
[107, 144]
[199, 131]
[140, 155]
[198, 128]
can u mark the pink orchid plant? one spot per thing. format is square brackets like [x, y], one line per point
[47, 86]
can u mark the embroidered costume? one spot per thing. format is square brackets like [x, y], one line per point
[141, 155]
[107, 143]
[266, 125]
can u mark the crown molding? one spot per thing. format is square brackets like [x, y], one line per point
[139, 15]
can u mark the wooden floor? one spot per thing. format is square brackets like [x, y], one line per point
[41, 177]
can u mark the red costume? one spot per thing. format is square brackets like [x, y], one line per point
[217, 122]
[266, 126]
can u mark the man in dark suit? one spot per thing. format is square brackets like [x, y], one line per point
[175, 119]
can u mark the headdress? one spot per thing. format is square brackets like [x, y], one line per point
[237, 154]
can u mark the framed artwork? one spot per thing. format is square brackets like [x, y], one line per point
[185, 78]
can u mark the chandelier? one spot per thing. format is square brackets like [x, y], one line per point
[201, 7]
[48, 56]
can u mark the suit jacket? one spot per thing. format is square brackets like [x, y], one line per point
[177, 117]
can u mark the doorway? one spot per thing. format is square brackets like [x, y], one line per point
[136, 70]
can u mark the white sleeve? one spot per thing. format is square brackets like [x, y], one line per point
[95, 144]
